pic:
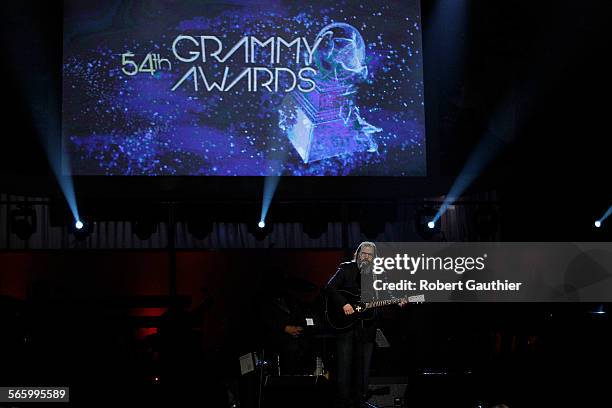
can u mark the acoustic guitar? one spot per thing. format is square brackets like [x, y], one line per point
[336, 318]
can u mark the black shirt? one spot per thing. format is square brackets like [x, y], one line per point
[348, 278]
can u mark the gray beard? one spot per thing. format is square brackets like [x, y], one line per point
[365, 267]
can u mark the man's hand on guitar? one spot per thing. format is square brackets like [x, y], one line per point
[348, 309]
[403, 302]
[293, 330]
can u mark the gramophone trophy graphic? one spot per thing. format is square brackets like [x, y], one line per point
[327, 122]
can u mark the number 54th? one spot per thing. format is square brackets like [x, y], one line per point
[151, 64]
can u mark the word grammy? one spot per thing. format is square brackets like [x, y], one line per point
[207, 50]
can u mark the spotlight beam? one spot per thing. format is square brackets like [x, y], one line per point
[48, 128]
[488, 148]
[600, 221]
[270, 185]
[606, 215]
[539, 74]
[58, 162]
[274, 170]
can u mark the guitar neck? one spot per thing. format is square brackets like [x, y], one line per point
[410, 299]
[379, 303]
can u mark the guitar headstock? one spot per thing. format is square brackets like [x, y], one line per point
[416, 299]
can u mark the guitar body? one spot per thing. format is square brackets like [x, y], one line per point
[335, 316]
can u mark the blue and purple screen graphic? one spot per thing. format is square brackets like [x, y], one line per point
[243, 88]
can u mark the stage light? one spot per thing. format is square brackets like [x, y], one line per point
[425, 223]
[372, 227]
[260, 230]
[373, 218]
[598, 310]
[144, 228]
[23, 222]
[597, 224]
[315, 228]
[315, 219]
[81, 229]
[199, 227]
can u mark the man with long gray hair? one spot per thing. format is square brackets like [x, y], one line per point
[355, 343]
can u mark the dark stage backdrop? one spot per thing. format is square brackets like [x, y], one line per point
[231, 279]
